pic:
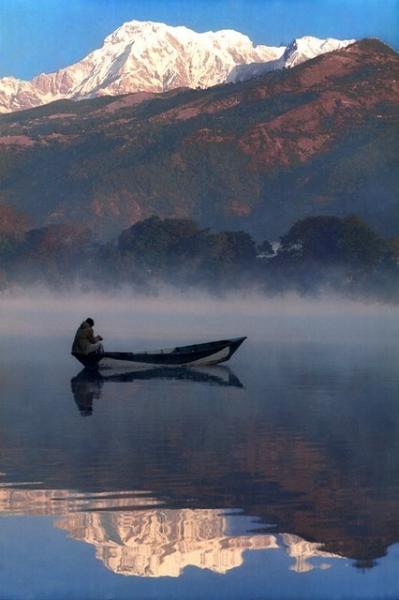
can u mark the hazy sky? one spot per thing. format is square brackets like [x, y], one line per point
[44, 35]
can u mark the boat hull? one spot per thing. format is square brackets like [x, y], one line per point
[210, 353]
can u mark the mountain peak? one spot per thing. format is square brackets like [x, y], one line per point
[297, 52]
[147, 56]
[310, 127]
[308, 46]
[127, 31]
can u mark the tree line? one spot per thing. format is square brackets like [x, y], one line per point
[343, 255]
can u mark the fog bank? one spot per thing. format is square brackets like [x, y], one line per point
[174, 318]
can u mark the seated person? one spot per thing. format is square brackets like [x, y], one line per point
[85, 341]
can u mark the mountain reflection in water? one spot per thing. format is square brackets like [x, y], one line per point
[308, 450]
[156, 542]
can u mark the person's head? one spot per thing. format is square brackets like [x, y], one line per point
[90, 321]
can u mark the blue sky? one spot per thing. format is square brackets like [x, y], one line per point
[44, 35]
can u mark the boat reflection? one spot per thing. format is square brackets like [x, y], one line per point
[133, 536]
[313, 451]
[87, 385]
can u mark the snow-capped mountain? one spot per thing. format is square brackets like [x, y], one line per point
[140, 56]
[115, 162]
[154, 57]
[297, 52]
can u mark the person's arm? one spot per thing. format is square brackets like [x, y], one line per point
[91, 337]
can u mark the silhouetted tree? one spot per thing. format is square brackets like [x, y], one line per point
[54, 253]
[341, 253]
[331, 240]
[265, 249]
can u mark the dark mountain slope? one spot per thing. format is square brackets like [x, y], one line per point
[319, 138]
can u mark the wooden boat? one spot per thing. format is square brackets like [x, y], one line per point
[210, 353]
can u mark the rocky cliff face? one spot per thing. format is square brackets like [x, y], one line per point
[319, 138]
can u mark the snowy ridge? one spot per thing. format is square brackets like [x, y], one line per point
[297, 52]
[154, 57]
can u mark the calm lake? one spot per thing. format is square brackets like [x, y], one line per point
[273, 477]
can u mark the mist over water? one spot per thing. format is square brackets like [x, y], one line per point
[124, 317]
[277, 472]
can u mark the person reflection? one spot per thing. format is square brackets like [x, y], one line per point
[86, 387]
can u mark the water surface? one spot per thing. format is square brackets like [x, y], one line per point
[274, 477]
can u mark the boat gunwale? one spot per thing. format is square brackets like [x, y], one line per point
[178, 350]
[180, 355]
